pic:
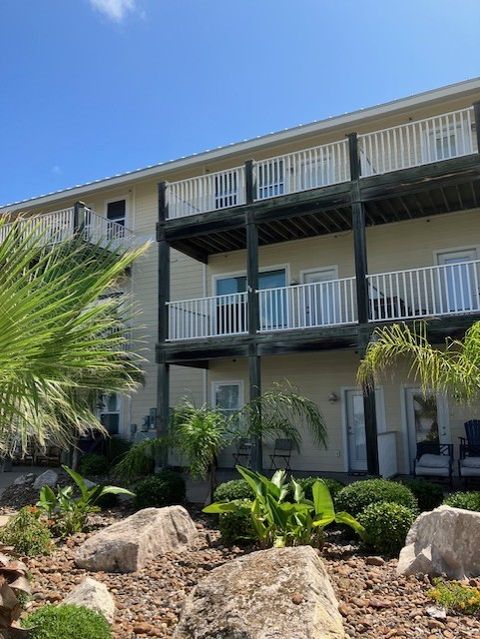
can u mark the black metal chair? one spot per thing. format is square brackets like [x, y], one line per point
[434, 460]
[244, 451]
[469, 458]
[282, 451]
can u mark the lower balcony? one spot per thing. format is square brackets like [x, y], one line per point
[432, 291]
[65, 224]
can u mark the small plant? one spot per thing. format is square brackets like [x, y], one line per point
[69, 513]
[357, 496]
[456, 597]
[66, 621]
[428, 494]
[27, 533]
[236, 527]
[234, 489]
[469, 500]
[334, 486]
[280, 523]
[93, 464]
[164, 489]
[386, 526]
[15, 589]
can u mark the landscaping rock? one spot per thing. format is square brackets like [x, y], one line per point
[269, 594]
[48, 478]
[127, 545]
[443, 541]
[94, 595]
[29, 478]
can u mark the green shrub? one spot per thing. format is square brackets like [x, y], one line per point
[236, 527]
[468, 501]
[116, 448]
[456, 597]
[357, 496]
[234, 489]
[386, 526]
[428, 494]
[66, 622]
[93, 464]
[27, 533]
[333, 485]
[164, 489]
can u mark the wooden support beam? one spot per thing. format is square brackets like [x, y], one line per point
[476, 111]
[360, 253]
[255, 390]
[78, 216]
[371, 435]
[252, 275]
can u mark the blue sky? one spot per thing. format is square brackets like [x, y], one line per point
[90, 88]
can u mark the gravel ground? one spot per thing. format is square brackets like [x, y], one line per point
[374, 602]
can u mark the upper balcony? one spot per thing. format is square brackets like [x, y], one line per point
[422, 142]
[68, 223]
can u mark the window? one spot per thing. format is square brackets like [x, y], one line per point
[116, 211]
[238, 284]
[110, 413]
[228, 396]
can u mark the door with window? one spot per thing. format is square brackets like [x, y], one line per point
[427, 419]
[458, 281]
[110, 413]
[321, 298]
[227, 396]
[355, 422]
[116, 213]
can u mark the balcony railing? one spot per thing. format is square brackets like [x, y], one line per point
[442, 290]
[447, 289]
[61, 225]
[434, 139]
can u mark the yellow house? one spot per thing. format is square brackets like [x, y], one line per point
[276, 258]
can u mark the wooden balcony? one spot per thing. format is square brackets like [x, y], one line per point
[65, 224]
[415, 144]
[418, 293]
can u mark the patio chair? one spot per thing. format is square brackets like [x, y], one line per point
[469, 459]
[434, 460]
[243, 452]
[282, 452]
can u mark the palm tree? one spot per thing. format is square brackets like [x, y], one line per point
[453, 369]
[64, 338]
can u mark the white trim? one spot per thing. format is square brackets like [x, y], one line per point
[319, 269]
[419, 100]
[243, 273]
[226, 382]
[455, 249]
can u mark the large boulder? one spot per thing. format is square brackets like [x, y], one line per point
[94, 595]
[269, 594]
[48, 478]
[443, 541]
[127, 545]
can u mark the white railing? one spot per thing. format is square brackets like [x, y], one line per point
[308, 305]
[206, 193]
[214, 316]
[302, 170]
[60, 225]
[430, 140]
[447, 289]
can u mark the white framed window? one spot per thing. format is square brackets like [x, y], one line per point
[110, 413]
[227, 396]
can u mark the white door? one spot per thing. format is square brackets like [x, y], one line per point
[356, 439]
[321, 299]
[427, 419]
[458, 281]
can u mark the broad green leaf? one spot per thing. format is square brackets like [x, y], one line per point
[322, 499]
[223, 507]
[346, 518]
[298, 492]
[78, 479]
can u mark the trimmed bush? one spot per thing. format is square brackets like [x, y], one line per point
[164, 489]
[386, 526]
[234, 489]
[93, 464]
[357, 496]
[333, 485]
[469, 500]
[27, 533]
[236, 528]
[65, 622]
[428, 494]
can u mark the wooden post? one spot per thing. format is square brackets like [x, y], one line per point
[371, 435]
[360, 253]
[163, 369]
[255, 390]
[476, 111]
[249, 182]
[78, 217]
[252, 275]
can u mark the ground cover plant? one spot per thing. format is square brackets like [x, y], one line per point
[428, 494]
[163, 489]
[456, 596]
[468, 500]
[28, 533]
[65, 622]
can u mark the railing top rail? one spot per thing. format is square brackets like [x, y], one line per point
[310, 148]
[208, 298]
[241, 167]
[425, 268]
[306, 284]
[414, 122]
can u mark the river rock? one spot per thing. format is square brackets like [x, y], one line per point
[48, 478]
[127, 545]
[443, 541]
[269, 594]
[93, 595]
